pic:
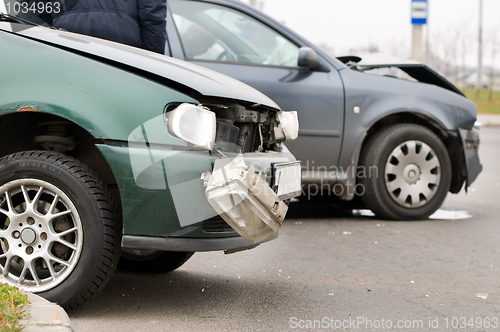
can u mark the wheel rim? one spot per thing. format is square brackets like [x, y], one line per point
[41, 235]
[412, 174]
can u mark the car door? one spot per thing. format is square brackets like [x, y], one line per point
[227, 37]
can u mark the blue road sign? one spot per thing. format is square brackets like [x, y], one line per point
[419, 12]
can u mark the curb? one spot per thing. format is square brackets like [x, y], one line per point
[45, 316]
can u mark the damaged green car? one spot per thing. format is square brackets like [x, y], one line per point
[110, 151]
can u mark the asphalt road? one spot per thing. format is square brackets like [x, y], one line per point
[332, 269]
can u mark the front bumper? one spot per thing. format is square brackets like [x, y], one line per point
[470, 144]
[166, 198]
[228, 244]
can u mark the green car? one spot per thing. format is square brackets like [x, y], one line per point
[114, 156]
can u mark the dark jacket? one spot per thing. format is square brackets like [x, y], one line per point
[139, 23]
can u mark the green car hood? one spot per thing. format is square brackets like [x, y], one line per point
[204, 81]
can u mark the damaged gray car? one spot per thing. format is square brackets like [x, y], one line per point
[399, 144]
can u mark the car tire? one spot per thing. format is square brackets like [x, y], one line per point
[406, 172]
[59, 228]
[152, 260]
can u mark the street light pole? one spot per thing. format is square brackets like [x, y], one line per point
[480, 47]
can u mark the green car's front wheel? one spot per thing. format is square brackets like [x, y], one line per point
[59, 231]
[152, 260]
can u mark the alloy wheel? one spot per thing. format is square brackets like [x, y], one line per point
[41, 234]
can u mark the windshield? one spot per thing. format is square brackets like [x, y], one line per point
[218, 33]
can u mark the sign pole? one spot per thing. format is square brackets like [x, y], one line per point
[419, 13]
[416, 46]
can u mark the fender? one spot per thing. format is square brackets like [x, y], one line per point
[424, 100]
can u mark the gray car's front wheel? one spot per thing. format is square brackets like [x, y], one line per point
[412, 172]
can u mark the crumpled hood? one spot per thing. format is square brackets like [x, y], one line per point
[204, 81]
[416, 70]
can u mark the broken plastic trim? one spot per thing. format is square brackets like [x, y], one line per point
[244, 199]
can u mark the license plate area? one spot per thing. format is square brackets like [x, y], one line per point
[287, 179]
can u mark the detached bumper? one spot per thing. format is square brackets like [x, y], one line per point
[470, 142]
[163, 198]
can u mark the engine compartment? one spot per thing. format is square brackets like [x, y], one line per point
[243, 129]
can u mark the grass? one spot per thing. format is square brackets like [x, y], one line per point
[487, 101]
[12, 308]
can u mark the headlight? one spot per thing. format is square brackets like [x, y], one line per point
[193, 124]
[290, 124]
[244, 199]
[243, 211]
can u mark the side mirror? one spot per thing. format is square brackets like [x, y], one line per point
[308, 58]
[193, 124]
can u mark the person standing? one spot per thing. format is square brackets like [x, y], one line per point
[139, 23]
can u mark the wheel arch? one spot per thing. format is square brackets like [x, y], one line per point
[19, 129]
[449, 139]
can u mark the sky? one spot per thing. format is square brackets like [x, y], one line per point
[346, 25]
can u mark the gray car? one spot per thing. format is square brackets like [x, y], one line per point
[400, 144]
